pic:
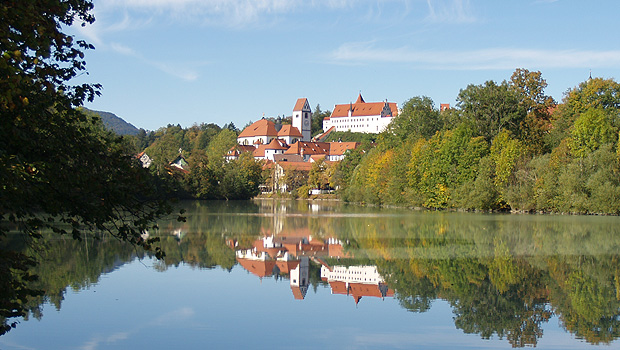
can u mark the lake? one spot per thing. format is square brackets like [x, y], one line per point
[269, 274]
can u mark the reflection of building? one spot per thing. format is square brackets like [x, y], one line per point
[357, 281]
[272, 261]
[291, 254]
[284, 255]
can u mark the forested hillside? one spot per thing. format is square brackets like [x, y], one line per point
[114, 123]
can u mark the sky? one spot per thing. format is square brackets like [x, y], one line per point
[220, 61]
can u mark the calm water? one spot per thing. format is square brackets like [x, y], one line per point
[293, 274]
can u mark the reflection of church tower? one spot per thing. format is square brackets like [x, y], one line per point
[302, 118]
[300, 278]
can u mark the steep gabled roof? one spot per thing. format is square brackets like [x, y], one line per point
[276, 144]
[299, 105]
[289, 130]
[360, 99]
[262, 127]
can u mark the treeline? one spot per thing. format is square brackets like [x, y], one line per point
[506, 146]
[208, 175]
[204, 146]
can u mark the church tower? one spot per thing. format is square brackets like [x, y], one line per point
[302, 118]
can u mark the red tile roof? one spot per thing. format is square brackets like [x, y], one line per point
[300, 104]
[297, 293]
[360, 99]
[288, 158]
[309, 148]
[259, 151]
[238, 149]
[289, 130]
[260, 268]
[276, 144]
[262, 127]
[338, 148]
[304, 166]
[361, 108]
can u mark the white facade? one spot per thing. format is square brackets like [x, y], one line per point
[370, 124]
[352, 274]
[361, 116]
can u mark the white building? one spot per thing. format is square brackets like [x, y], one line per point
[372, 117]
[352, 274]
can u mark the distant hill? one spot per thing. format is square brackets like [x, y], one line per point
[115, 123]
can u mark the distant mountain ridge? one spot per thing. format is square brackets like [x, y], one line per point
[115, 123]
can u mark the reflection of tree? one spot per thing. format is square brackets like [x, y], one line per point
[585, 294]
[504, 276]
[517, 313]
[500, 273]
[414, 293]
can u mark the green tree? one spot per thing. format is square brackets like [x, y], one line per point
[418, 118]
[596, 93]
[491, 108]
[317, 119]
[591, 130]
[58, 169]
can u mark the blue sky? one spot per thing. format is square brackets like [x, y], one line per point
[218, 61]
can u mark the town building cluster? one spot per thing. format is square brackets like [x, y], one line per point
[290, 147]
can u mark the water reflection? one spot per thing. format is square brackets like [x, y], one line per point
[287, 255]
[502, 275]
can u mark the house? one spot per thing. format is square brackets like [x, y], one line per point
[289, 134]
[282, 168]
[337, 150]
[179, 164]
[236, 151]
[308, 149]
[258, 133]
[267, 152]
[361, 116]
[144, 159]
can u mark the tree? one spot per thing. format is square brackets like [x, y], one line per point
[591, 130]
[317, 119]
[530, 88]
[418, 118]
[59, 169]
[491, 108]
[595, 93]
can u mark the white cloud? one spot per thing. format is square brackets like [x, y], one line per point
[493, 58]
[174, 316]
[227, 12]
[450, 11]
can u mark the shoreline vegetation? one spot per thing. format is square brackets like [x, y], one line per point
[504, 147]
